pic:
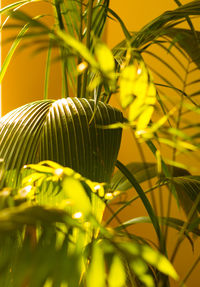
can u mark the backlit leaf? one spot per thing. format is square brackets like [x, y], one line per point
[116, 268]
[96, 272]
[104, 57]
[137, 91]
[159, 261]
[75, 192]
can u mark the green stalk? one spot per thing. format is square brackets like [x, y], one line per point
[62, 51]
[89, 25]
[145, 201]
[79, 80]
[175, 139]
[153, 200]
[47, 71]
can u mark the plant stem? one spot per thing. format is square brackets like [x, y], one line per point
[144, 199]
[47, 70]
[79, 80]
[175, 138]
[65, 92]
[89, 25]
[147, 172]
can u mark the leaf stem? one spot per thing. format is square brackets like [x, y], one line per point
[153, 200]
[47, 70]
[63, 54]
[88, 34]
[175, 139]
[79, 79]
[144, 199]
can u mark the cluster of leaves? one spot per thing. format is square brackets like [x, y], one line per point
[66, 245]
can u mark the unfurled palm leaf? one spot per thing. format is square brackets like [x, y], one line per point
[15, 6]
[142, 172]
[172, 222]
[188, 190]
[61, 131]
[159, 26]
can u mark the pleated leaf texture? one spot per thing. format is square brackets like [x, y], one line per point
[66, 131]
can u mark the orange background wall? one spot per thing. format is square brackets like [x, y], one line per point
[23, 83]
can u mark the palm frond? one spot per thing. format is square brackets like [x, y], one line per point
[159, 26]
[56, 130]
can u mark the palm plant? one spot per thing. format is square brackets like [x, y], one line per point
[58, 156]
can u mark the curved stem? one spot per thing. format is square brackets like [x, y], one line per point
[145, 201]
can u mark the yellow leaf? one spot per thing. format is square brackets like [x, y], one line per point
[104, 57]
[159, 261]
[75, 191]
[145, 118]
[137, 90]
[117, 275]
[126, 85]
[96, 273]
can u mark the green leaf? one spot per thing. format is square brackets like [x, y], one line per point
[128, 77]
[104, 57]
[96, 273]
[116, 268]
[71, 14]
[170, 221]
[40, 168]
[16, 217]
[160, 25]
[137, 91]
[159, 261]
[80, 48]
[147, 280]
[140, 268]
[141, 171]
[12, 50]
[76, 193]
[99, 17]
[124, 29]
[187, 41]
[150, 256]
[188, 188]
[61, 131]
[47, 71]
[13, 6]
[106, 64]
[143, 197]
